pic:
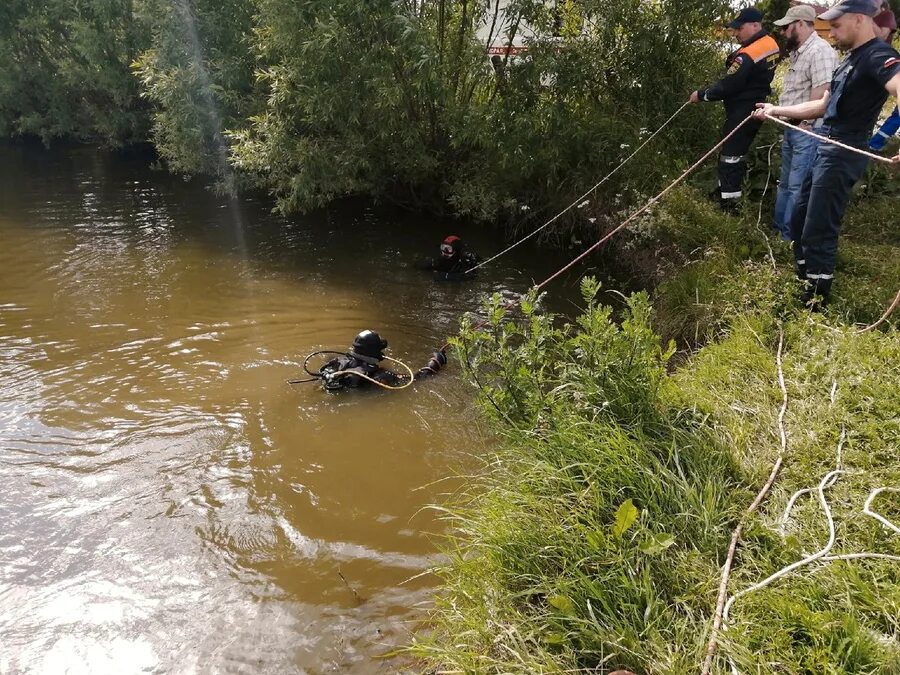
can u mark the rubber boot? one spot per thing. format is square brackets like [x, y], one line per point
[731, 206]
[816, 294]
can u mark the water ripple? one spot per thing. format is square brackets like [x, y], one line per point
[169, 503]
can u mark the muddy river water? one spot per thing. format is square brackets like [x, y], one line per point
[167, 502]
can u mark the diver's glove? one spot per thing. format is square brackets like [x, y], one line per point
[437, 361]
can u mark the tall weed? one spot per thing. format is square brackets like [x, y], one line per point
[594, 538]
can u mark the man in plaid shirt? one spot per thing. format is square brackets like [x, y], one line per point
[812, 62]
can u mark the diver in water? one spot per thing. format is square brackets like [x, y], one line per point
[359, 367]
[454, 262]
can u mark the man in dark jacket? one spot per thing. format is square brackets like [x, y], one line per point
[747, 82]
[359, 367]
[454, 261]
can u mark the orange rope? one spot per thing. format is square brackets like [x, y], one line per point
[611, 234]
[582, 197]
[634, 215]
[831, 141]
[884, 317]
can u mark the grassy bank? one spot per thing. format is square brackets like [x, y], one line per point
[593, 539]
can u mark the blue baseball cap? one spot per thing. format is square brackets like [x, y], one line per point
[748, 15]
[867, 7]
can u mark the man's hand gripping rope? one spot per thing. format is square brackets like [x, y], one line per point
[764, 112]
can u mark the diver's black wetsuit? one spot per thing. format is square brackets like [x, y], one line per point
[358, 365]
[451, 269]
[454, 262]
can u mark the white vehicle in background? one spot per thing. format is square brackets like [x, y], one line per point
[506, 35]
[501, 22]
[503, 19]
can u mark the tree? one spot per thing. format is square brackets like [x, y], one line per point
[198, 75]
[399, 101]
[64, 70]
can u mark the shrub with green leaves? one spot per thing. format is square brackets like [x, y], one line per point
[198, 75]
[588, 540]
[399, 101]
[64, 70]
[594, 538]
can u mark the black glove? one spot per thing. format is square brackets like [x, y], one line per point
[437, 361]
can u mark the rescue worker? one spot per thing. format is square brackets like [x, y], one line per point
[360, 366]
[454, 261]
[885, 28]
[886, 23]
[885, 131]
[812, 62]
[859, 88]
[748, 80]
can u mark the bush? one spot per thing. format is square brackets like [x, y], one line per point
[593, 540]
[415, 112]
[589, 535]
[64, 70]
[198, 75]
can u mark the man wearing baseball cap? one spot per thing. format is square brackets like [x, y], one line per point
[885, 23]
[885, 27]
[859, 88]
[812, 62]
[748, 80]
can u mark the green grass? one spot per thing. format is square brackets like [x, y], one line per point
[593, 538]
[821, 619]
[718, 266]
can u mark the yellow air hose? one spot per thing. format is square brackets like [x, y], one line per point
[412, 376]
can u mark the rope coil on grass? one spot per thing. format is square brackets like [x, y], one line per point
[736, 535]
[828, 481]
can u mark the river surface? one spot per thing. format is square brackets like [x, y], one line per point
[169, 503]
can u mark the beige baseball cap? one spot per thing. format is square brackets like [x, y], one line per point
[797, 13]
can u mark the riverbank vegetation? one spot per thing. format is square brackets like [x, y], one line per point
[632, 439]
[395, 101]
[594, 538]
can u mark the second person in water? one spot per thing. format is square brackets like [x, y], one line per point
[454, 263]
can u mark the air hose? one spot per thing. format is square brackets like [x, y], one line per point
[316, 375]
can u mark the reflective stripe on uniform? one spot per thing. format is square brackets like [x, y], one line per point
[732, 159]
[731, 195]
[809, 275]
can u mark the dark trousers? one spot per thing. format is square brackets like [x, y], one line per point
[816, 221]
[733, 157]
